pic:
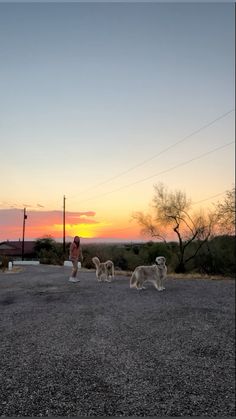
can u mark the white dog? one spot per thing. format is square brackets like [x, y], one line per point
[104, 270]
[155, 274]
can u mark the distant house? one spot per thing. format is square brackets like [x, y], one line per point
[13, 249]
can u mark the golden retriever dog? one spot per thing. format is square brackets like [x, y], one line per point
[156, 274]
[104, 270]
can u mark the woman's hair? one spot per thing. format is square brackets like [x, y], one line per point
[77, 242]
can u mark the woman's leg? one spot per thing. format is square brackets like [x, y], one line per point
[75, 268]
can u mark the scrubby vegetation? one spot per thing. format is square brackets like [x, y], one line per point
[4, 260]
[216, 257]
[48, 251]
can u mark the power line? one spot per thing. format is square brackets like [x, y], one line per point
[157, 154]
[210, 197]
[160, 173]
[194, 203]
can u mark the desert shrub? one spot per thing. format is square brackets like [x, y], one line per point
[132, 260]
[216, 257]
[4, 260]
[49, 251]
[136, 250]
[47, 243]
[222, 250]
[48, 257]
[121, 257]
[204, 263]
[121, 262]
[125, 257]
[158, 249]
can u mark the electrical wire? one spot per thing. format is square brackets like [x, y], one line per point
[160, 173]
[157, 154]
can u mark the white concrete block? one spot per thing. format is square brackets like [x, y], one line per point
[70, 265]
[26, 262]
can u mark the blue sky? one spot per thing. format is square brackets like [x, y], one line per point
[89, 90]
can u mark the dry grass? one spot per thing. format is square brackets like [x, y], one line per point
[197, 276]
[173, 275]
[14, 270]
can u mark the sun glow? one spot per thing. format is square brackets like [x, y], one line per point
[87, 231]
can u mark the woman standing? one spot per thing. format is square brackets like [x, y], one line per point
[75, 256]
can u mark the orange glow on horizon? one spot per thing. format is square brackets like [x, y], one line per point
[40, 224]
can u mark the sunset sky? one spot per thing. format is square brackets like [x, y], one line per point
[100, 101]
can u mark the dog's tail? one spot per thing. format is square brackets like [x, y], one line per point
[133, 280]
[96, 261]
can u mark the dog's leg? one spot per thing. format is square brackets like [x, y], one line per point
[156, 284]
[106, 274]
[140, 285]
[112, 273]
[99, 277]
[133, 281]
[159, 283]
[162, 282]
[109, 277]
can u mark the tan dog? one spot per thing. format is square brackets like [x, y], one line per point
[104, 270]
[155, 274]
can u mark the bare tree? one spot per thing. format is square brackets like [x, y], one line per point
[225, 212]
[149, 227]
[172, 211]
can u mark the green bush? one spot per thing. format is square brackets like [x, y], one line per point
[216, 257]
[125, 257]
[222, 251]
[49, 251]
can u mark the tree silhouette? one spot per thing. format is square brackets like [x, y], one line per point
[172, 211]
[225, 212]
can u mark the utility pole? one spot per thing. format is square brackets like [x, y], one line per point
[23, 239]
[64, 224]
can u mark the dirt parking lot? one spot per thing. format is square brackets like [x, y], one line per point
[102, 349]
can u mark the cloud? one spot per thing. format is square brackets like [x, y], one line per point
[40, 223]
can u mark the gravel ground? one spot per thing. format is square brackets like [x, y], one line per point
[102, 349]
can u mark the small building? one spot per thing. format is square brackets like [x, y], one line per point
[13, 249]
